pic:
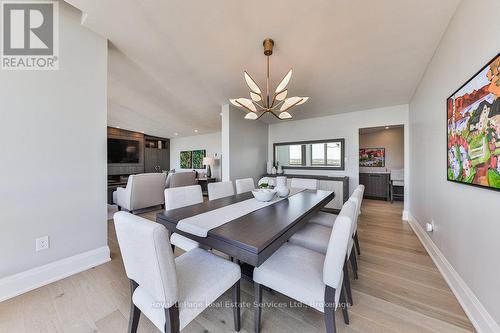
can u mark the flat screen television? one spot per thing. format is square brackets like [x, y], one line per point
[123, 151]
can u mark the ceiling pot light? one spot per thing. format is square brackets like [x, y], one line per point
[261, 102]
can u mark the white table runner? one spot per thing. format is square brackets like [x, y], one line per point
[199, 225]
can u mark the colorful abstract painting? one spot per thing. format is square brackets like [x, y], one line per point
[372, 157]
[185, 160]
[473, 114]
[197, 156]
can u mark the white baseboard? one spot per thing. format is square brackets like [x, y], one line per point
[405, 215]
[20, 283]
[478, 315]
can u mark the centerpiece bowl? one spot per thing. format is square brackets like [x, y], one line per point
[263, 194]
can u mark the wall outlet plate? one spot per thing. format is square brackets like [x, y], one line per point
[42, 243]
[430, 226]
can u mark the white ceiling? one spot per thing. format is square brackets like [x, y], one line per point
[173, 63]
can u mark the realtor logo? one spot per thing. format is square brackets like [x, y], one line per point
[30, 38]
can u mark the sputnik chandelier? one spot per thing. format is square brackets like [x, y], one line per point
[261, 103]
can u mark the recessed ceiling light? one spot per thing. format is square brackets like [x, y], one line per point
[176, 133]
[220, 114]
[142, 132]
[117, 126]
[387, 127]
[196, 131]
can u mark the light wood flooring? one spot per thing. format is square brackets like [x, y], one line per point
[399, 290]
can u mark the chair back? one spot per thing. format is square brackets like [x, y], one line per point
[220, 190]
[361, 187]
[358, 197]
[397, 174]
[183, 196]
[146, 189]
[308, 184]
[244, 185]
[147, 256]
[337, 246]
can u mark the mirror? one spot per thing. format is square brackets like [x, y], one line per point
[319, 154]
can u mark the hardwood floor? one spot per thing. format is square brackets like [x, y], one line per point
[399, 290]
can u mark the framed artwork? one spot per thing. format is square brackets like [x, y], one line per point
[185, 160]
[372, 157]
[197, 157]
[473, 129]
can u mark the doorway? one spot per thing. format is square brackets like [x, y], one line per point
[382, 162]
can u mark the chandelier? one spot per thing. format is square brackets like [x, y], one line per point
[261, 103]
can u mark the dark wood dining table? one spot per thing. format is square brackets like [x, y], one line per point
[254, 237]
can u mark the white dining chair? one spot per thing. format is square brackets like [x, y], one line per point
[244, 185]
[308, 184]
[170, 292]
[316, 237]
[308, 276]
[328, 219]
[357, 197]
[220, 190]
[177, 197]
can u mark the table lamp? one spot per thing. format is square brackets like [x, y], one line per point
[208, 161]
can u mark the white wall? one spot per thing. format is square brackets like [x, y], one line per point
[53, 148]
[210, 142]
[244, 145]
[392, 140]
[345, 126]
[467, 219]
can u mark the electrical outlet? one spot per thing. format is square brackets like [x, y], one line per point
[430, 226]
[42, 243]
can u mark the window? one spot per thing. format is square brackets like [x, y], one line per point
[295, 155]
[320, 154]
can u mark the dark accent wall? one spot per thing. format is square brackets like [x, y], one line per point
[126, 168]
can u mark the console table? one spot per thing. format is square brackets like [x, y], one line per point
[203, 182]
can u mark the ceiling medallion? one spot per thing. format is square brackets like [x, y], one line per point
[261, 103]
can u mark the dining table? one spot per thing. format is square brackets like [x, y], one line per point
[253, 237]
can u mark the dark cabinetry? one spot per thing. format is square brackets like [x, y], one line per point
[377, 185]
[156, 154]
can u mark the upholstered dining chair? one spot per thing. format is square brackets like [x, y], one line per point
[170, 292]
[308, 184]
[244, 185]
[220, 190]
[308, 276]
[177, 197]
[316, 237]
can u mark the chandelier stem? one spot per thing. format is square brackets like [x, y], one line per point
[267, 83]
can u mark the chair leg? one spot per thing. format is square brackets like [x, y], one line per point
[135, 313]
[347, 283]
[119, 208]
[354, 264]
[257, 305]
[236, 306]
[343, 304]
[329, 310]
[172, 322]
[356, 242]
[173, 248]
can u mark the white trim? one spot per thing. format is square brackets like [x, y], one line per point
[478, 315]
[20, 283]
[405, 215]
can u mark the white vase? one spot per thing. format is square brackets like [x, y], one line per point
[273, 171]
[269, 167]
[281, 188]
[280, 169]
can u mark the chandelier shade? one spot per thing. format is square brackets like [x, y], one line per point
[261, 103]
